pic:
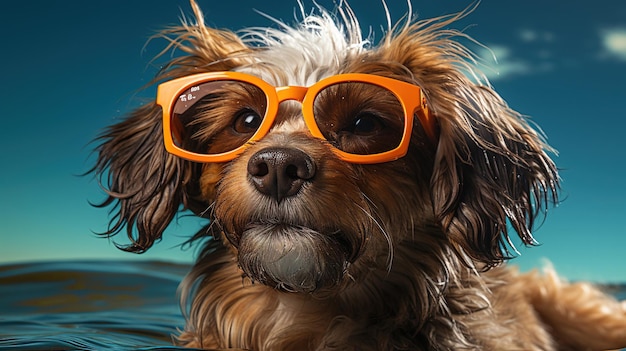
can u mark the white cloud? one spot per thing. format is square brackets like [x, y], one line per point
[531, 35]
[497, 63]
[528, 35]
[614, 42]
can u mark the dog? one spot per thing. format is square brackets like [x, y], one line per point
[361, 196]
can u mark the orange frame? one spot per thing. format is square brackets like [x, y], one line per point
[410, 96]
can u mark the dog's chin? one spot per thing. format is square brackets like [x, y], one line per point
[292, 258]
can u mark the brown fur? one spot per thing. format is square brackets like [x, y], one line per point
[410, 251]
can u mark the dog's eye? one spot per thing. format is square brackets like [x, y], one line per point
[365, 124]
[246, 121]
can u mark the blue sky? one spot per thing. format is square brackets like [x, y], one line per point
[70, 68]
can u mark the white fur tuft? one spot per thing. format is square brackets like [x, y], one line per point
[303, 54]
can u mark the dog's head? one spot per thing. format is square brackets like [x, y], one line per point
[316, 154]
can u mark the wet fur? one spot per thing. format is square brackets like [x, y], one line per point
[415, 246]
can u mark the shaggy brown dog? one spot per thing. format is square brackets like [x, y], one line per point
[374, 212]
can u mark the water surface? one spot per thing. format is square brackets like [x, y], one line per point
[96, 305]
[89, 305]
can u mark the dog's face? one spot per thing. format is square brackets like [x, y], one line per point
[299, 216]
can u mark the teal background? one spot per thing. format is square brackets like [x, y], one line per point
[70, 68]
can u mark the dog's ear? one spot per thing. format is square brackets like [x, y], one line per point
[143, 181]
[492, 170]
[146, 185]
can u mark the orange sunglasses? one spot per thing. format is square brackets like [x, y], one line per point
[180, 95]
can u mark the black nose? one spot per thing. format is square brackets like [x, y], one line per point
[280, 172]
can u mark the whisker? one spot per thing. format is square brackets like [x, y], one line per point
[381, 228]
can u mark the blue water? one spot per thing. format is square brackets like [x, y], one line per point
[89, 305]
[95, 305]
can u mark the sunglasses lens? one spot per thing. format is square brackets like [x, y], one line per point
[230, 111]
[359, 118]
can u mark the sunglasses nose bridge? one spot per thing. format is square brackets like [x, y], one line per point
[291, 93]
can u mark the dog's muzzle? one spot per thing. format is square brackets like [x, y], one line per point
[277, 247]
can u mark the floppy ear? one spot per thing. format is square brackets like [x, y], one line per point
[491, 170]
[143, 180]
[145, 184]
